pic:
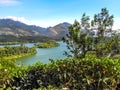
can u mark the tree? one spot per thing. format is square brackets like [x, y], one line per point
[115, 45]
[81, 39]
[103, 22]
[85, 22]
[76, 39]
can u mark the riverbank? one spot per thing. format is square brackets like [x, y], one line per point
[14, 57]
[44, 54]
[11, 53]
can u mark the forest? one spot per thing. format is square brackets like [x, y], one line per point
[26, 39]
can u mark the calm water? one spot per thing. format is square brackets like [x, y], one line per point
[43, 55]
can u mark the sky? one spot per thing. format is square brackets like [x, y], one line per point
[47, 13]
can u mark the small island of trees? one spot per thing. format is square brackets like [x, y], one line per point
[48, 44]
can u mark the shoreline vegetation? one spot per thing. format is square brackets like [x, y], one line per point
[48, 44]
[11, 53]
[13, 57]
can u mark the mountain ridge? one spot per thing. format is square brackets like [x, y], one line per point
[20, 29]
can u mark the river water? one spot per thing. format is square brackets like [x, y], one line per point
[43, 54]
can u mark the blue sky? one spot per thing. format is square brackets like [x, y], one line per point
[51, 12]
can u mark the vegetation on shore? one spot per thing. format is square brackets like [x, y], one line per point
[16, 52]
[26, 39]
[48, 44]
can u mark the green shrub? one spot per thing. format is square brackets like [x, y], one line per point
[8, 69]
[85, 74]
[90, 54]
[117, 56]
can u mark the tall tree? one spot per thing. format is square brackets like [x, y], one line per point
[85, 22]
[103, 22]
[76, 39]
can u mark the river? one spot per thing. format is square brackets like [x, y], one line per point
[43, 54]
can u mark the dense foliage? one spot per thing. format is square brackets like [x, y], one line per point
[8, 68]
[103, 22]
[15, 52]
[77, 39]
[85, 74]
[48, 44]
[97, 36]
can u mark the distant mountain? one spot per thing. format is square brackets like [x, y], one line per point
[16, 28]
[60, 30]
[19, 29]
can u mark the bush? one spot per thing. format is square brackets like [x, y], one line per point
[117, 56]
[85, 74]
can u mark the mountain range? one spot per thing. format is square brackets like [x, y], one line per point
[9, 27]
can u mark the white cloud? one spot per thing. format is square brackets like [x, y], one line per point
[41, 23]
[116, 25]
[21, 19]
[9, 2]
